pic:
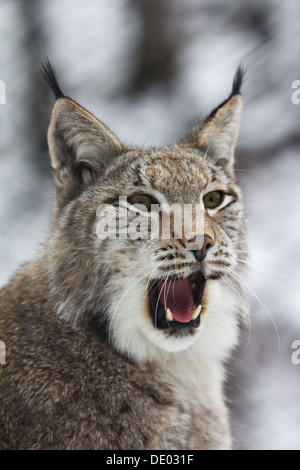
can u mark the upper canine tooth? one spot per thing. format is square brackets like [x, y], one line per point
[169, 315]
[196, 312]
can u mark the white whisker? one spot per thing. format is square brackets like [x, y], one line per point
[269, 275]
[238, 278]
[155, 313]
[235, 291]
[134, 284]
[236, 243]
[268, 256]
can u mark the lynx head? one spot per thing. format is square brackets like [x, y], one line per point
[171, 290]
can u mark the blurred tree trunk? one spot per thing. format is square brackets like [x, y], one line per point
[159, 44]
[35, 101]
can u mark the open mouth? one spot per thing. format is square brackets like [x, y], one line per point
[176, 304]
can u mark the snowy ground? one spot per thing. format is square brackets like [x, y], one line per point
[93, 49]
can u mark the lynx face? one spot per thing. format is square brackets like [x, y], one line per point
[150, 293]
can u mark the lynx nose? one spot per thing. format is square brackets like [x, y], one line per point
[199, 244]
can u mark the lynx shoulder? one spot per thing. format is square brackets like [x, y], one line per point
[116, 335]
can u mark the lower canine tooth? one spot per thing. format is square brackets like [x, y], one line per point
[196, 312]
[169, 315]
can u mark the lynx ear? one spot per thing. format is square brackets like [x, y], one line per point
[218, 134]
[80, 145]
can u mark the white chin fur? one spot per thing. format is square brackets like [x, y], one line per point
[168, 343]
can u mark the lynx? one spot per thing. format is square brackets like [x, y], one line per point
[119, 342]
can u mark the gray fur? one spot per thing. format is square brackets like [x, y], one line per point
[85, 367]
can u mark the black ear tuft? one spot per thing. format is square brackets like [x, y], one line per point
[49, 74]
[236, 90]
[238, 80]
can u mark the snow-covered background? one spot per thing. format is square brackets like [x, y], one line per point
[147, 68]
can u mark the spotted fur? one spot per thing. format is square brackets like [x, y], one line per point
[86, 367]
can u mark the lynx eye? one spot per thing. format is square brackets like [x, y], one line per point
[144, 199]
[213, 199]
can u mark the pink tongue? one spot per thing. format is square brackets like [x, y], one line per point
[177, 296]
